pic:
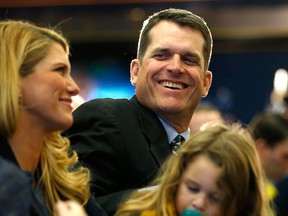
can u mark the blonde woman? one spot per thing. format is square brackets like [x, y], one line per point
[35, 94]
[217, 172]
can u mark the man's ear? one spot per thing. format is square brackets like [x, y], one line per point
[134, 69]
[207, 83]
[262, 148]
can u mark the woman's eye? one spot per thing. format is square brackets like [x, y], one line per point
[60, 70]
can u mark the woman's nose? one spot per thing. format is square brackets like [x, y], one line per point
[72, 87]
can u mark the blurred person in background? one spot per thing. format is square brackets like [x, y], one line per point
[270, 131]
[204, 113]
[281, 200]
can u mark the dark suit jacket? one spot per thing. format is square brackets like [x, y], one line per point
[122, 142]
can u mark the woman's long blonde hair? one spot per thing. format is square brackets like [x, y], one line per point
[242, 182]
[22, 46]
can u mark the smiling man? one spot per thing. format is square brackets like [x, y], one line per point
[124, 142]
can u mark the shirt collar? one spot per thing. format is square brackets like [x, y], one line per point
[171, 132]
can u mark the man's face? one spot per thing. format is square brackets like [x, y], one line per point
[171, 78]
[276, 161]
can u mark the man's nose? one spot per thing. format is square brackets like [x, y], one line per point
[175, 64]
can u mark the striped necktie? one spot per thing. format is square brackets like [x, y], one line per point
[176, 143]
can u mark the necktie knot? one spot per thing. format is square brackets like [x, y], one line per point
[176, 143]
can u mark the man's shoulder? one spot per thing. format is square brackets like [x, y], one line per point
[109, 103]
[105, 108]
[121, 107]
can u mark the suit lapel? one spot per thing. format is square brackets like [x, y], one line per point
[154, 132]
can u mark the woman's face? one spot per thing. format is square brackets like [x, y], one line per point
[198, 188]
[47, 91]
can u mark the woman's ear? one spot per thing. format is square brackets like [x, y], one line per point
[134, 68]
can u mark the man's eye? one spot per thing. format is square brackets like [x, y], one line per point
[161, 56]
[190, 61]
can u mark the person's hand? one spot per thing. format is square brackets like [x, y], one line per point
[69, 208]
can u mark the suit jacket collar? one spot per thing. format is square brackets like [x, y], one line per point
[153, 130]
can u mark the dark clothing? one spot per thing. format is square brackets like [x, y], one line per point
[122, 142]
[281, 200]
[19, 195]
[92, 208]
[15, 199]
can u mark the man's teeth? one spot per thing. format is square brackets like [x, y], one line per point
[172, 85]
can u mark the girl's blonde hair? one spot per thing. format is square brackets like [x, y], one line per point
[22, 46]
[242, 182]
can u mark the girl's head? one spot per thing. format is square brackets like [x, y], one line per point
[217, 171]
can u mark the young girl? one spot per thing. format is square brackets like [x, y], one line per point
[216, 172]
